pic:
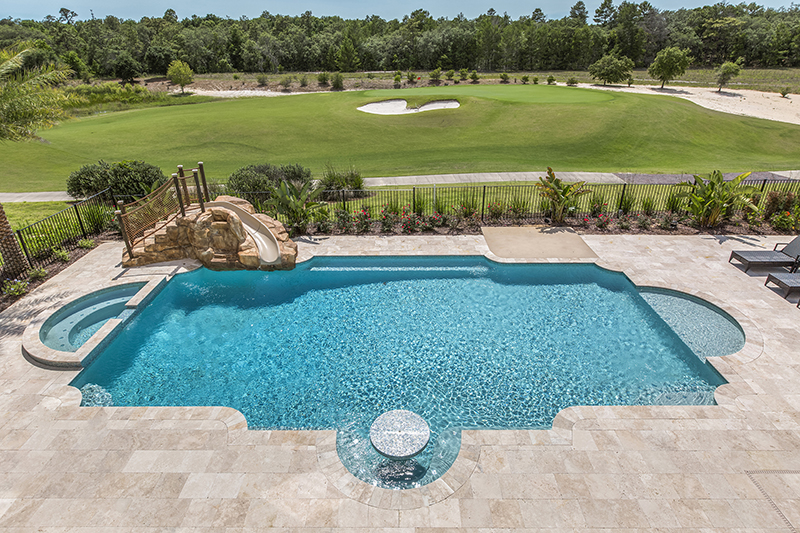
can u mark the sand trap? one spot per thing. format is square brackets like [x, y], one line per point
[771, 106]
[398, 107]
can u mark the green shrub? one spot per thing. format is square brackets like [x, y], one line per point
[603, 221]
[419, 206]
[535, 80]
[435, 76]
[323, 221]
[398, 79]
[337, 81]
[626, 204]
[518, 207]
[263, 179]
[393, 206]
[86, 243]
[648, 206]
[674, 203]
[551, 79]
[474, 77]
[463, 73]
[15, 287]
[785, 91]
[388, 219]
[342, 220]
[440, 205]
[60, 254]
[323, 78]
[334, 180]
[643, 222]
[783, 221]
[286, 81]
[598, 205]
[504, 78]
[126, 178]
[778, 201]
[665, 223]
[104, 93]
[37, 273]
[572, 82]
[496, 210]
[262, 79]
[411, 77]
[450, 74]
[624, 223]
[303, 81]
[525, 79]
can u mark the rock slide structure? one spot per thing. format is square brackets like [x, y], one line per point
[217, 238]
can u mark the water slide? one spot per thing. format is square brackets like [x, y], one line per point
[268, 249]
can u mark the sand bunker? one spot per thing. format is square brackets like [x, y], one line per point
[398, 107]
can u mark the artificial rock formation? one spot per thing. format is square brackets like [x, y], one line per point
[216, 238]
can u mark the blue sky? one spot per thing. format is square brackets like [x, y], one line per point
[345, 8]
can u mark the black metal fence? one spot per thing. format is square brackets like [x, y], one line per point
[40, 242]
[520, 202]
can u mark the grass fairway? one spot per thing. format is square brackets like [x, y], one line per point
[497, 128]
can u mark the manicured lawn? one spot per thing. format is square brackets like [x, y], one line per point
[21, 214]
[497, 128]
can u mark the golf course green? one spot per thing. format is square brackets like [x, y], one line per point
[497, 128]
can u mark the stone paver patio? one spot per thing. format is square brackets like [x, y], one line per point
[733, 466]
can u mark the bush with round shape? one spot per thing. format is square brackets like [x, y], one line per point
[265, 178]
[126, 178]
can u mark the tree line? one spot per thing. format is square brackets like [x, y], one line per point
[753, 35]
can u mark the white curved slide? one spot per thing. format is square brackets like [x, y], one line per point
[268, 250]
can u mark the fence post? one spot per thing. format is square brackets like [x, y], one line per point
[763, 184]
[80, 222]
[621, 197]
[186, 194]
[113, 198]
[344, 201]
[413, 199]
[203, 179]
[199, 191]
[121, 205]
[178, 192]
[483, 203]
[124, 234]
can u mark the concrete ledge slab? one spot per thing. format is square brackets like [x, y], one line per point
[539, 243]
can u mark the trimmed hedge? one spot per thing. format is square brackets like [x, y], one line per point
[131, 178]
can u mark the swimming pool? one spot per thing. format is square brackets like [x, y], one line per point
[461, 341]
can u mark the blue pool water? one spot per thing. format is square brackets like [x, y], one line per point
[461, 341]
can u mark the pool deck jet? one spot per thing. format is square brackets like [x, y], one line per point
[734, 466]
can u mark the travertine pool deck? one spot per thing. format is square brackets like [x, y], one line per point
[734, 466]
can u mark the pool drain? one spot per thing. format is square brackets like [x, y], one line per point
[399, 434]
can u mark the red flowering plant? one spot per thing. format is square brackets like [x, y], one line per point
[602, 221]
[362, 220]
[388, 219]
[408, 220]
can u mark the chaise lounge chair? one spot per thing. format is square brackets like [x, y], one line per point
[785, 257]
[788, 281]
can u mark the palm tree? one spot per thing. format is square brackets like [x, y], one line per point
[28, 102]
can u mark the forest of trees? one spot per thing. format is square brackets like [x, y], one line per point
[762, 37]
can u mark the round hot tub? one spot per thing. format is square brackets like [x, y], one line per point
[71, 326]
